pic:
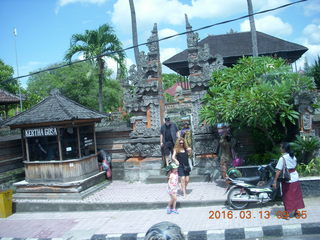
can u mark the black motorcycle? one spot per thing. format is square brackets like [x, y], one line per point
[258, 189]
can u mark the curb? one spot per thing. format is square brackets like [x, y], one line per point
[224, 234]
[231, 234]
[29, 206]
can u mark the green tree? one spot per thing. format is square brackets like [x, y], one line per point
[315, 72]
[168, 80]
[94, 44]
[6, 81]
[77, 82]
[257, 92]
[8, 84]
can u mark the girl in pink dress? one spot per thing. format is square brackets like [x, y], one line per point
[173, 180]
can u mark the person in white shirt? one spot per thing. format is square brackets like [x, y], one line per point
[291, 190]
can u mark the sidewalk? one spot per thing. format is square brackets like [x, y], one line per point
[120, 195]
[132, 224]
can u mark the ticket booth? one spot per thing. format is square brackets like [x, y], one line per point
[59, 146]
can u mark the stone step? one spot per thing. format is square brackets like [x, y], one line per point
[163, 178]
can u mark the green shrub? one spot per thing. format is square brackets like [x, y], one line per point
[263, 158]
[305, 147]
[310, 169]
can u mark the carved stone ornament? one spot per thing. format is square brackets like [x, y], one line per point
[141, 130]
[206, 146]
[142, 150]
[192, 37]
[153, 41]
[307, 121]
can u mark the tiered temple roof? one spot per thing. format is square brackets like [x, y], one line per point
[235, 45]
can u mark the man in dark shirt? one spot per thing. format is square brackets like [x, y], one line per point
[168, 137]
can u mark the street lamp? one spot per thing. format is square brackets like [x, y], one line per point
[17, 66]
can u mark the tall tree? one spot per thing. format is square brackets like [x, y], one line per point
[77, 82]
[94, 44]
[253, 30]
[6, 73]
[134, 33]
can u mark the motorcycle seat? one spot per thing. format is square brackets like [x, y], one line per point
[249, 179]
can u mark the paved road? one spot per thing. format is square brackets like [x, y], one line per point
[83, 225]
[202, 215]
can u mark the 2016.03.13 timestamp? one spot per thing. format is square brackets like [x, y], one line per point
[247, 214]
[244, 214]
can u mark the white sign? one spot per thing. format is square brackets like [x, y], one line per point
[40, 132]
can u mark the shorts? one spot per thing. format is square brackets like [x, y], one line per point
[168, 148]
[182, 172]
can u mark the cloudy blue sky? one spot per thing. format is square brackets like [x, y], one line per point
[44, 27]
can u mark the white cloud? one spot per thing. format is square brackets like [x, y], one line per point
[62, 3]
[312, 32]
[166, 32]
[311, 40]
[171, 11]
[269, 24]
[166, 53]
[268, 4]
[311, 9]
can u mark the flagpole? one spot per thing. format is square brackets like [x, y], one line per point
[17, 66]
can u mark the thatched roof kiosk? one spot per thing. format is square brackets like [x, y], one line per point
[59, 146]
[6, 99]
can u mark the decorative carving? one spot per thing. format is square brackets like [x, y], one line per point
[153, 43]
[192, 37]
[206, 146]
[200, 62]
[142, 150]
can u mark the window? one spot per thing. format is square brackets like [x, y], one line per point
[43, 148]
[69, 143]
[86, 140]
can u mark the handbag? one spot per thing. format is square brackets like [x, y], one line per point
[285, 175]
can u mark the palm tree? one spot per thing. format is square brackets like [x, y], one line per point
[95, 44]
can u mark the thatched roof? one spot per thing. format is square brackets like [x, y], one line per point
[54, 109]
[8, 98]
[235, 45]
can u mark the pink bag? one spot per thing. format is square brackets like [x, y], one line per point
[237, 162]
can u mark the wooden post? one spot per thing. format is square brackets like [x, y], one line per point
[79, 147]
[59, 144]
[27, 150]
[94, 139]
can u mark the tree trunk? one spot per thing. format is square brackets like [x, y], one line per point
[134, 34]
[253, 30]
[101, 79]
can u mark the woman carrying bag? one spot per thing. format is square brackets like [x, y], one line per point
[291, 190]
[180, 157]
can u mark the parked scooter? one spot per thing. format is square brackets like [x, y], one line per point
[242, 191]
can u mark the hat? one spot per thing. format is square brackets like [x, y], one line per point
[167, 119]
[173, 165]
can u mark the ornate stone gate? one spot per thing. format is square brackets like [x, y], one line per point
[144, 100]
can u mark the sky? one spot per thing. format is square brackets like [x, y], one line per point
[44, 27]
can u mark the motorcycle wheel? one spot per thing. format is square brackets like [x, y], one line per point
[236, 192]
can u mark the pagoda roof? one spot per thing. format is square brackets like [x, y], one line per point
[8, 98]
[233, 46]
[54, 110]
